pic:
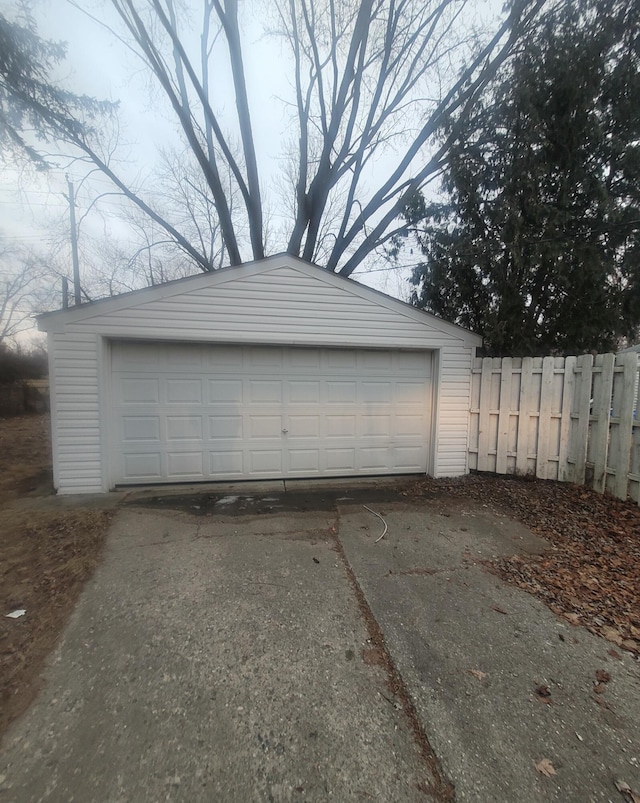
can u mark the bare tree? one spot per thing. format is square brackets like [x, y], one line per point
[24, 289]
[374, 82]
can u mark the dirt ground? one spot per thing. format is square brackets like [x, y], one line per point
[46, 557]
[589, 575]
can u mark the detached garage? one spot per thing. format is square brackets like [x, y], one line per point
[274, 369]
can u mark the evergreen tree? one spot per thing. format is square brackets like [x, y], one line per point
[538, 245]
[32, 105]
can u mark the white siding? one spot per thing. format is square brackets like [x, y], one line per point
[75, 413]
[283, 306]
[281, 301]
[453, 411]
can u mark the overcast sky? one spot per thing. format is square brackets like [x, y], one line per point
[101, 67]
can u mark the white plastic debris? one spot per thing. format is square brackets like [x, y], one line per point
[16, 614]
[228, 500]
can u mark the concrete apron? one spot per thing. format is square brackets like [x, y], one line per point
[216, 659]
[293, 656]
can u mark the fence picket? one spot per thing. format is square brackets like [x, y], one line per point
[522, 447]
[504, 416]
[585, 369]
[601, 410]
[544, 420]
[625, 437]
[485, 402]
[568, 391]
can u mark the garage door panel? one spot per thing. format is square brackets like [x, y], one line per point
[125, 356]
[376, 392]
[302, 359]
[141, 428]
[339, 360]
[340, 459]
[375, 426]
[225, 427]
[225, 391]
[370, 360]
[374, 458]
[417, 363]
[340, 426]
[176, 356]
[222, 356]
[409, 425]
[304, 391]
[138, 466]
[265, 461]
[304, 461]
[342, 392]
[183, 391]
[184, 427]
[139, 391]
[411, 392]
[226, 463]
[184, 465]
[409, 458]
[259, 358]
[265, 391]
[232, 412]
[265, 427]
[303, 426]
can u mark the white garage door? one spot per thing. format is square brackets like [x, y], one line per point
[189, 412]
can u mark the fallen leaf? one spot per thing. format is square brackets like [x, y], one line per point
[612, 634]
[599, 688]
[543, 693]
[545, 767]
[477, 673]
[572, 618]
[627, 791]
[614, 654]
[630, 644]
[602, 676]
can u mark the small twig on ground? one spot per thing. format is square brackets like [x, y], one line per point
[384, 532]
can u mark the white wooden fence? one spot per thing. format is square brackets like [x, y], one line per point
[573, 419]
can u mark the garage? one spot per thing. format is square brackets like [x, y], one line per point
[194, 412]
[271, 370]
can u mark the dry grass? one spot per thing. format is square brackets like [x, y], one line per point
[46, 556]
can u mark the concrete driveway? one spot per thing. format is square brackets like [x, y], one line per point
[269, 647]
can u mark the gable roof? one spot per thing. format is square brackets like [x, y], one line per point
[224, 277]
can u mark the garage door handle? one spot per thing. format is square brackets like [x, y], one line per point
[284, 431]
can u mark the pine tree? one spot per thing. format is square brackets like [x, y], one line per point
[537, 247]
[33, 106]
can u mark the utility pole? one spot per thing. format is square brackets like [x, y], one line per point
[77, 295]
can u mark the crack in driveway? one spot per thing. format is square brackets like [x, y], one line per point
[441, 788]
